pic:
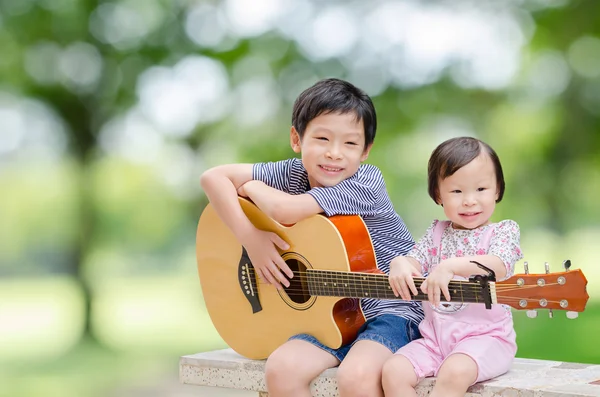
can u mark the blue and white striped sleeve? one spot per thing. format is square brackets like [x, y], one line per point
[362, 194]
[275, 174]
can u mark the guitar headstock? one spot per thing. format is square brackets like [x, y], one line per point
[555, 291]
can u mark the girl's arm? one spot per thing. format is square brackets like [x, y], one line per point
[465, 268]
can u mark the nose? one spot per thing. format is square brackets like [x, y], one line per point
[469, 200]
[334, 152]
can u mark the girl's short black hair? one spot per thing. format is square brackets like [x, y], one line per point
[452, 155]
[334, 96]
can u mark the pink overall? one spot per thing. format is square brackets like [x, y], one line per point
[487, 336]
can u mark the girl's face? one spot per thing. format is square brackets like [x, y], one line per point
[469, 195]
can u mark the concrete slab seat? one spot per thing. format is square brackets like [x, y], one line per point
[527, 378]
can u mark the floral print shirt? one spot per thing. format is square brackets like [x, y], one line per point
[504, 243]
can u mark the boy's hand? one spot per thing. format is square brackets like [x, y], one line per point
[266, 260]
[241, 191]
[436, 283]
[401, 277]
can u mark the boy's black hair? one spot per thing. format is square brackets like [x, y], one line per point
[334, 96]
[452, 155]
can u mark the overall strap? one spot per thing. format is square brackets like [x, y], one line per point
[438, 230]
[484, 242]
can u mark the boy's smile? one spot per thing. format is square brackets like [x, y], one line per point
[332, 148]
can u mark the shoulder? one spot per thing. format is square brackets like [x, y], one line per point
[368, 178]
[442, 224]
[507, 225]
[292, 165]
[368, 173]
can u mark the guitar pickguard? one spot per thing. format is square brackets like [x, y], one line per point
[247, 280]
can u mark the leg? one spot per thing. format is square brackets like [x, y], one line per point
[291, 368]
[457, 373]
[399, 378]
[360, 373]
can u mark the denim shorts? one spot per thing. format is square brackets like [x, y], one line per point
[388, 330]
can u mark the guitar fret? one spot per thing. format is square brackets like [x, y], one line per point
[376, 286]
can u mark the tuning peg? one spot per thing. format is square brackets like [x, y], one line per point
[531, 313]
[567, 264]
[550, 313]
[572, 315]
[526, 267]
[547, 267]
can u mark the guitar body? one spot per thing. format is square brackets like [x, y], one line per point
[255, 318]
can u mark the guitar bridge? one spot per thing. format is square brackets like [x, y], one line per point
[247, 280]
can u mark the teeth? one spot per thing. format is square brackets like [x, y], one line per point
[330, 169]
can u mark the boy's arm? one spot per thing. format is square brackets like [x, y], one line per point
[220, 185]
[283, 207]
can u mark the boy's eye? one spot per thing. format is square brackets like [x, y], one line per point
[351, 143]
[481, 189]
[456, 191]
[322, 138]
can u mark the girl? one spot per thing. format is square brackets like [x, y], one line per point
[462, 343]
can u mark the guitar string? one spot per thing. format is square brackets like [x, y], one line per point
[384, 280]
[477, 288]
[322, 275]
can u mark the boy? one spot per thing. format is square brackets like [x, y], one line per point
[333, 128]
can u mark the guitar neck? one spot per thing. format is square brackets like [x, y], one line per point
[367, 285]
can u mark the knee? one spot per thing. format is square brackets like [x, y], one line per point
[281, 373]
[457, 376]
[389, 373]
[359, 380]
[397, 373]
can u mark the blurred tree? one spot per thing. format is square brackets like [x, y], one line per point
[98, 56]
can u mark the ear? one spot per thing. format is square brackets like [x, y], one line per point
[295, 140]
[366, 152]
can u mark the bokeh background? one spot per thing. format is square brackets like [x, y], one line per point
[111, 110]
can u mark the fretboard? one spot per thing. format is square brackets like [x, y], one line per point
[365, 285]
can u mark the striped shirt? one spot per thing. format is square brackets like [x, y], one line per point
[362, 194]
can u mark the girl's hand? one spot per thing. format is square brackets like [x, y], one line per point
[401, 277]
[436, 283]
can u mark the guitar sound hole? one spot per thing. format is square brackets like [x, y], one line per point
[298, 289]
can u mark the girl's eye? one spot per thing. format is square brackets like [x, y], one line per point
[321, 138]
[456, 191]
[481, 189]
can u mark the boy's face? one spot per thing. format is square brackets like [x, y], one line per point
[333, 146]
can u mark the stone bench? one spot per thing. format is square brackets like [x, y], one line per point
[528, 377]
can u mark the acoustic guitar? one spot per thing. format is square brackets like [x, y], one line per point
[334, 263]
